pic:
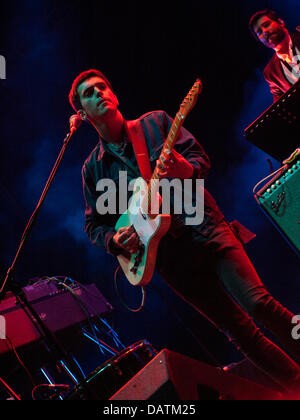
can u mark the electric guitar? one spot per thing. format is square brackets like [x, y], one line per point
[139, 267]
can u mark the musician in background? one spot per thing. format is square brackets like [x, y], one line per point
[205, 264]
[283, 71]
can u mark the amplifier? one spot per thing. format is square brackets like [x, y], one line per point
[280, 201]
[57, 308]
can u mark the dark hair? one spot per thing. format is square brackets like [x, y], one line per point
[74, 96]
[267, 12]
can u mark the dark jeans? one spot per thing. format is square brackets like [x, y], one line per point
[215, 275]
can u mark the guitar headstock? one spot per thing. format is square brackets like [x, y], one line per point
[191, 98]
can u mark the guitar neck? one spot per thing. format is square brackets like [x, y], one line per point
[167, 149]
[171, 139]
[185, 107]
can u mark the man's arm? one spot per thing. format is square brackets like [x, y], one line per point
[99, 228]
[276, 91]
[188, 147]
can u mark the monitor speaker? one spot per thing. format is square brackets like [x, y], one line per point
[172, 376]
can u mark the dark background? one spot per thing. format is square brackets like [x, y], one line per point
[152, 53]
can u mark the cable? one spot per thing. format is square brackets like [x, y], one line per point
[82, 307]
[61, 387]
[10, 391]
[286, 163]
[267, 177]
[79, 367]
[110, 331]
[270, 165]
[85, 312]
[86, 309]
[122, 301]
[62, 280]
[20, 361]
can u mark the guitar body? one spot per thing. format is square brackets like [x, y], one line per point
[139, 267]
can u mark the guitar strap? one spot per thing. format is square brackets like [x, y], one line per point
[137, 138]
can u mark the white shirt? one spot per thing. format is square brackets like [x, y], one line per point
[290, 63]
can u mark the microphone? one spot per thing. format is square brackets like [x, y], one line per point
[75, 122]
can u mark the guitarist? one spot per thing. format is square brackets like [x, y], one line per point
[283, 70]
[205, 264]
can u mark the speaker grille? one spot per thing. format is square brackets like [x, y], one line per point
[281, 201]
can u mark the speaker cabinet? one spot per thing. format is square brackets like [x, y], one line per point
[172, 376]
[280, 201]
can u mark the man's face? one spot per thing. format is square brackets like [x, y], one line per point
[270, 32]
[97, 99]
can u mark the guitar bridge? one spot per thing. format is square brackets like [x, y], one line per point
[143, 214]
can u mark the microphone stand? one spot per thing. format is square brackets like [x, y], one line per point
[52, 344]
[33, 218]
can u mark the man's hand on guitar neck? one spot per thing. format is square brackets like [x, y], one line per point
[128, 239]
[174, 165]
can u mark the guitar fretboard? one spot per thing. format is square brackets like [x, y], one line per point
[186, 105]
